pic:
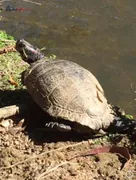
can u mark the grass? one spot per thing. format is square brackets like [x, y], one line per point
[11, 66]
[6, 39]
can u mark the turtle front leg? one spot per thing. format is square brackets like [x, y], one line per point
[57, 127]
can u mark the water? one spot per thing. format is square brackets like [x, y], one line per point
[98, 34]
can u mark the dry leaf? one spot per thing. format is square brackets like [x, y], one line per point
[7, 49]
[122, 151]
[18, 128]
[12, 81]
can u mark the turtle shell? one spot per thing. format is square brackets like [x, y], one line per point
[68, 91]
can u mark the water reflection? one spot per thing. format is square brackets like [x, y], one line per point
[98, 34]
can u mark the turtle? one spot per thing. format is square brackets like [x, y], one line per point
[70, 94]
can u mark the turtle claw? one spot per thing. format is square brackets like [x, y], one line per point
[101, 131]
[57, 126]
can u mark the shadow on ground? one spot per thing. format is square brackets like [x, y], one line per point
[10, 97]
[35, 119]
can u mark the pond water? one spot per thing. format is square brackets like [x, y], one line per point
[98, 34]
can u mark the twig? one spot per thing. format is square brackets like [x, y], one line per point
[52, 169]
[8, 111]
[4, 1]
[131, 87]
[33, 2]
[51, 151]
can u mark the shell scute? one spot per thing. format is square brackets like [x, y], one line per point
[65, 89]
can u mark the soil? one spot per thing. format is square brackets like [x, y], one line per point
[34, 154]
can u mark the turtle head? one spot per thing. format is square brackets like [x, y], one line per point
[28, 52]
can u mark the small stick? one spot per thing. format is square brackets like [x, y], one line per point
[131, 87]
[33, 2]
[52, 169]
[9, 111]
[46, 152]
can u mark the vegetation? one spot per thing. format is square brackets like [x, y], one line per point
[6, 39]
[11, 67]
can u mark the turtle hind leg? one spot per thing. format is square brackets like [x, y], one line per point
[122, 125]
[56, 126]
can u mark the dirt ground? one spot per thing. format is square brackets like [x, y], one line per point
[34, 154]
